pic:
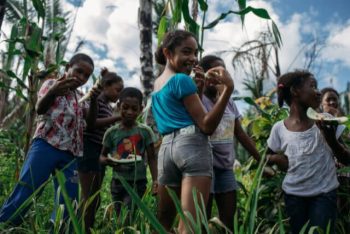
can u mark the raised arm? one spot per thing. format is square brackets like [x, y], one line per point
[340, 151]
[61, 87]
[208, 121]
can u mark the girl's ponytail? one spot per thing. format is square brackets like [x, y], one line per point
[287, 81]
[280, 96]
[159, 55]
[108, 78]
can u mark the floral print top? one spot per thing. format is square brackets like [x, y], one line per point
[62, 125]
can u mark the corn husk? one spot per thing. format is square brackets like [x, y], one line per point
[88, 94]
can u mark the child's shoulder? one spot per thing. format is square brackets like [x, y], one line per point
[143, 126]
[279, 125]
[116, 127]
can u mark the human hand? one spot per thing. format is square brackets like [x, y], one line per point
[331, 110]
[328, 130]
[219, 75]
[154, 188]
[268, 172]
[106, 161]
[64, 85]
[199, 77]
[95, 92]
[279, 159]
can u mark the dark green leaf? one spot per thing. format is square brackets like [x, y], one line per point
[11, 74]
[62, 181]
[148, 214]
[177, 12]
[344, 170]
[249, 100]
[192, 25]
[26, 67]
[242, 5]
[33, 42]
[58, 36]
[257, 11]
[21, 95]
[39, 7]
[262, 13]
[12, 44]
[4, 86]
[203, 5]
[276, 34]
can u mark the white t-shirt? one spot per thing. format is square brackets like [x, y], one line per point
[311, 169]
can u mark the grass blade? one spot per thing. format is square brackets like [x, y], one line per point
[148, 214]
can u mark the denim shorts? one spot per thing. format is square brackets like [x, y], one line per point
[184, 153]
[223, 181]
[90, 162]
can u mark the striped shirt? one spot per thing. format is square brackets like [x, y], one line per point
[104, 110]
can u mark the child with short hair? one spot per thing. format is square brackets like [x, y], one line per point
[57, 141]
[125, 139]
[305, 150]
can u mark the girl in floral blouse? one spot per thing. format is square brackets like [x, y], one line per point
[57, 141]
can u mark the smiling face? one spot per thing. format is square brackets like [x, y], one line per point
[130, 108]
[80, 70]
[112, 91]
[309, 95]
[330, 99]
[183, 57]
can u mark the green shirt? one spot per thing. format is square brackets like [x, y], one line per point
[122, 142]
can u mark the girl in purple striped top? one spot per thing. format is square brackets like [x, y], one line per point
[91, 172]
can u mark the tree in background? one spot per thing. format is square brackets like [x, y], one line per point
[40, 31]
[146, 55]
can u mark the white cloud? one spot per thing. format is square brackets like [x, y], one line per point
[338, 45]
[115, 28]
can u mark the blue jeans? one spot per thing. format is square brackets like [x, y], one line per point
[41, 162]
[318, 210]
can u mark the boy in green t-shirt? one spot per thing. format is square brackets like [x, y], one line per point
[124, 140]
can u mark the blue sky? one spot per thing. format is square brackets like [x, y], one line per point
[323, 13]
[113, 39]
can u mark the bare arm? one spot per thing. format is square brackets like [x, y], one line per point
[92, 114]
[245, 140]
[104, 160]
[279, 159]
[60, 88]
[103, 122]
[152, 161]
[208, 122]
[43, 104]
[338, 149]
